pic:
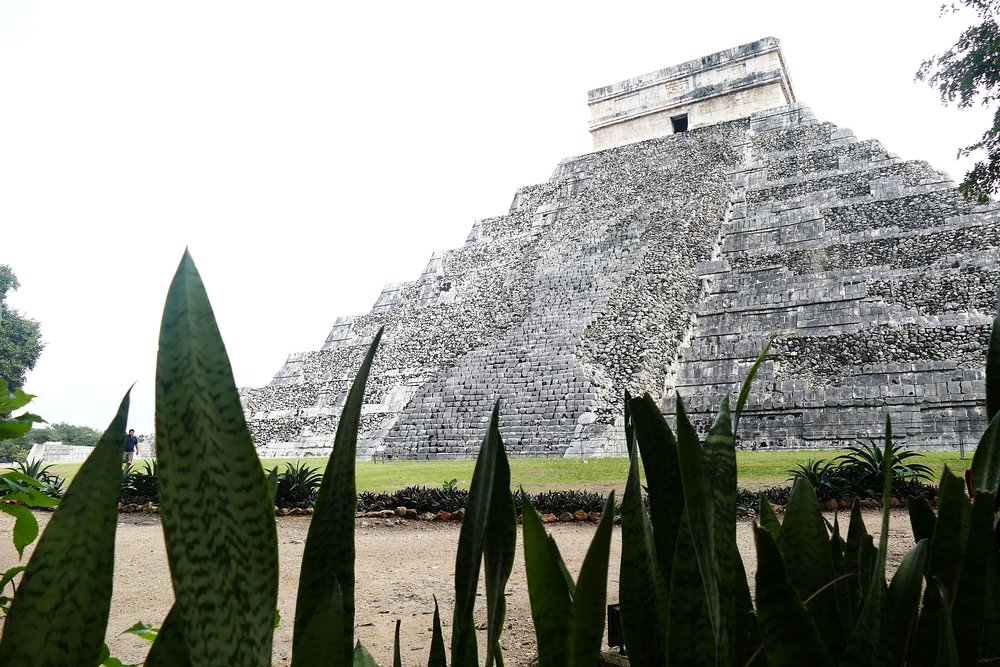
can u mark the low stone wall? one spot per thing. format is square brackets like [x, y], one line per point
[56, 452]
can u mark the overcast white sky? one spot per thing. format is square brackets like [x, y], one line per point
[310, 152]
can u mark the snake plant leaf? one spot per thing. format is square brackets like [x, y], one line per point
[326, 580]
[968, 611]
[788, 633]
[397, 659]
[768, 519]
[218, 520]
[169, 649]
[805, 547]
[857, 534]
[986, 460]
[642, 593]
[472, 542]
[947, 551]
[25, 527]
[437, 657]
[586, 615]
[870, 640]
[699, 504]
[904, 599]
[59, 613]
[990, 647]
[629, 428]
[747, 635]
[548, 592]
[499, 548]
[993, 368]
[741, 401]
[720, 468]
[658, 450]
[922, 518]
[947, 650]
[691, 641]
[362, 658]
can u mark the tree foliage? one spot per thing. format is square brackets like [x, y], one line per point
[20, 337]
[969, 73]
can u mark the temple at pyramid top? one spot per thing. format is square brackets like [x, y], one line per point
[724, 86]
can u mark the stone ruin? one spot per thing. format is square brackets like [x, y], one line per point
[715, 212]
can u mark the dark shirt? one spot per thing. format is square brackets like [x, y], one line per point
[131, 442]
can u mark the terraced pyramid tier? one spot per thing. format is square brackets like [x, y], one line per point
[664, 265]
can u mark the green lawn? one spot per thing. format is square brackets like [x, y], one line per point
[756, 470]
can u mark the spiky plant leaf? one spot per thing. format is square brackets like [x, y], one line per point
[498, 553]
[947, 650]
[217, 515]
[397, 659]
[547, 589]
[748, 383]
[472, 541]
[586, 615]
[326, 580]
[59, 613]
[993, 373]
[361, 657]
[658, 450]
[789, 635]
[691, 641]
[699, 504]
[805, 547]
[768, 519]
[986, 460]
[922, 518]
[169, 649]
[437, 657]
[904, 599]
[720, 468]
[641, 588]
[947, 550]
[968, 611]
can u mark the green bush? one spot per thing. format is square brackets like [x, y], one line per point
[859, 473]
[822, 596]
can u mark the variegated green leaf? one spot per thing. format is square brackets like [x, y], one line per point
[472, 542]
[498, 553]
[947, 650]
[969, 609]
[397, 659]
[789, 635]
[169, 648]
[922, 518]
[699, 504]
[691, 641]
[60, 612]
[986, 460]
[362, 658]
[437, 657]
[720, 468]
[805, 547]
[658, 451]
[326, 580]
[217, 515]
[904, 599]
[768, 519]
[547, 590]
[642, 592]
[587, 612]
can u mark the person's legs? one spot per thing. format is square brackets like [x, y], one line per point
[127, 459]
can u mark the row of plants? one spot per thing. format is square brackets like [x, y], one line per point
[859, 473]
[821, 592]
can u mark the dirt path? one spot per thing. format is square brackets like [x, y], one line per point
[400, 565]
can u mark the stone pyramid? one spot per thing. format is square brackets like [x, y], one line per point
[718, 213]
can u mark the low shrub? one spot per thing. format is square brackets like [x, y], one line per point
[297, 485]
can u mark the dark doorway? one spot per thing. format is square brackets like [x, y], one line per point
[680, 123]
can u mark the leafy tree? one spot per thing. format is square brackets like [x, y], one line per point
[68, 434]
[20, 337]
[969, 73]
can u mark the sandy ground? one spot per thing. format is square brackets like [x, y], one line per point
[400, 565]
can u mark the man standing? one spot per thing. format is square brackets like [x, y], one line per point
[131, 448]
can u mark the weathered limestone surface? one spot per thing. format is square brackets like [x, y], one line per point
[668, 264]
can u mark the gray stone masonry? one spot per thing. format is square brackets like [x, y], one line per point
[665, 266]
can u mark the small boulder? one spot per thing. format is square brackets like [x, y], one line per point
[566, 516]
[595, 516]
[411, 514]
[401, 511]
[830, 505]
[549, 518]
[458, 514]
[580, 515]
[427, 516]
[442, 516]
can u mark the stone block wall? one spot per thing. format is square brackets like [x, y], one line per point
[876, 277]
[665, 266]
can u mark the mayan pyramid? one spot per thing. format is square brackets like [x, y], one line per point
[715, 211]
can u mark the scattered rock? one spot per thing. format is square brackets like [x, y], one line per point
[411, 514]
[458, 514]
[566, 516]
[595, 516]
[442, 516]
[427, 516]
[549, 518]
[580, 515]
[830, 505]
[401, 511]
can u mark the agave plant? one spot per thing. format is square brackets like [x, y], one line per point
[863, 467]
[826, 477]
[298, 485]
